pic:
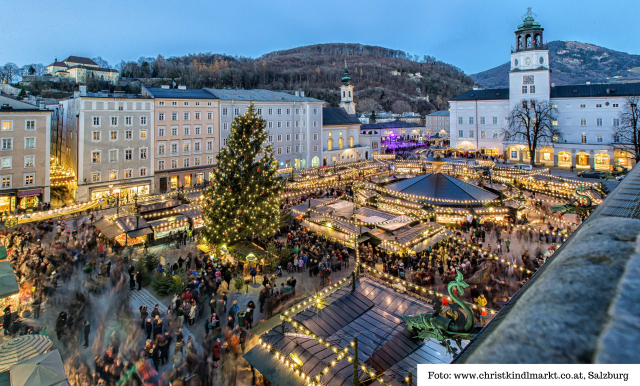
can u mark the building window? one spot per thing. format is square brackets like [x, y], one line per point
[186, 130]
[315, 111]
[554, 122]
[532, 89]
[174, 131]
[279, 111]
[174, 164]
[196, 130]
[599, 138]
[225, 126]
[279, 137]
[495, 134]
[6, 181]
[583, 121]
[471, 120]
[29, 179]
[161, 131]
[113, 135]
[96, 136]
[209, 115]
[236, 112]
[196, 147]
[209, 145]
[583, 138]
[258, 111]
[113, 175]
[143, 120]
[615, 105]
[113, 155]
[196, 116]
[209, 129]
[225, 111]
[524, 89]
[185, 163]
[95, 177]
[270, 124]
[128, 173]
[186, 103]
[174, 103]
[315, 136]
[30, 125]
[583, 106]
[209, 160]
[160, 103]
[598, 104]
[128, 121]
[161, 116]
[96, 121]
[95, 157]
[224, 142]
[598, 121]
[185, 116]
[270, 111]
[482, 134]
[143, 172]
[174, 148]
[143, 153]
[143, 134]
[29, 161]
[196, 161]
[114, 121]
[288, 124]
[174, 116]
[279, 124]
[460, 120]
[471, 133]
[161, 149]
[288, 149]
[288, 137]
[279, 151]
[6, 162]
[616, 122]
[160, 165]
[30, 143]
[482, 122]
[460, 133]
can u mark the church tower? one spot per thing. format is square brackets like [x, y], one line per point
[346, 92]
[529, 73]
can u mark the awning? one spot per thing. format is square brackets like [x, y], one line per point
[3, 252]
[30, 193]
[159, 206]
[139, 232]
[271, 368]
[203, 247]
[108, 229]
[364, 238]
[44, 370]
[8, 282]
[22, 348]
[120, 186]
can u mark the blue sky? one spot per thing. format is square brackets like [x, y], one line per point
[473, 35]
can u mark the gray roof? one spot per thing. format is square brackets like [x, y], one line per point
[258, 96]
[397, 124]
[94, 68]
[487, 94]
[81, 60]
[158, 92]
[441, 186]
[19, 105]
[338, 116]
[443, 113]
[595, 90]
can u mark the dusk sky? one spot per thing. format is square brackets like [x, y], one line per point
[473, 35]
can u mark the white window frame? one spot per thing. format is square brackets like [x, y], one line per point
[186, 130]
[225, 111]
[162, 146]
[128, 120]
[26, 125]
[161, 117]
[174, 129]
[10, 181]
[143, 153]
[143, 172]
[93, 121]
[143, 120]
[34, 142]
[161, 165]
[199, 148]
[196, 161]
[26, 157]
[146, 134]
[99, 152]
[94, 175]
[209, 160]
[212, 142]
[111, 132]
[130, 171]
[197, 130]
[117, 155]
[33, 179]
[186, 163]
[93, 134]
[186, 116]
[160, 103]
[209, 129]
[174, 163]
[10, 163]
[196, 115]
[115, 178]
[188, 145]
[113, 121]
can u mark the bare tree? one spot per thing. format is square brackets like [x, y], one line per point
[11, 72]
[626, 134]
[366, 105]
[532, 122]
[101, 62]
[400, 106]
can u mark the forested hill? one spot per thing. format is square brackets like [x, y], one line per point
[317, 70]
[575, 63]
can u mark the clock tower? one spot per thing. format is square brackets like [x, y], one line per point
[529, 73]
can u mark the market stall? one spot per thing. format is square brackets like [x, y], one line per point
[9, 288]
[168, 226]
[193, 214]
[125, 230]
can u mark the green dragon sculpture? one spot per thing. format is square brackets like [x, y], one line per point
[574, 206]
[457, 324]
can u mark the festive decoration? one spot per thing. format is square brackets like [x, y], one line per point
[243, 201]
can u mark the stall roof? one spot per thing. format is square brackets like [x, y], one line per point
[8, 282]
[130, 223]
[163, 221]
[372, 313]
[190, 211]
[159, 206]
[108, 228]
[3, 252]
[139, 232]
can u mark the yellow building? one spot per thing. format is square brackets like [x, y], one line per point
[82, 70]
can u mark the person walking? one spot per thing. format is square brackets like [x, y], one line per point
[132, 277]
[507, 243]
[139, 280]
[149, 328]
[234, 309]
[192, 314]
[87, 330]
[6, 323]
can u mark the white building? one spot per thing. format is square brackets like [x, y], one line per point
[294, 122]
[586, 114]
[437, 123]
[107, 140]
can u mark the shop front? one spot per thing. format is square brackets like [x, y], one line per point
[582, 160]
[169, 226]
[126, 192]
[7, 201]
[29, 199]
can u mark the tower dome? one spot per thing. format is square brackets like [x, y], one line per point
[529, 34]
[346, 79]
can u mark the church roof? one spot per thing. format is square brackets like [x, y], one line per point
[57, 64]
[81, 60]
[338, 116]
[441, 186]
[483, 95]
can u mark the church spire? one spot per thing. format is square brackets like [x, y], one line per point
[346, 79]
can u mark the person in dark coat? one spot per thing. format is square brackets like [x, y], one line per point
[262, 298]
[155, 355]
[87, 330]
[139, 280]
[143, 315]
[231, 323]
[157, 327]
[6, 323]
[215, 353]
[156, 311]
[163, 346]
[149, 328]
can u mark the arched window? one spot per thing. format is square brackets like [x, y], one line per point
[351, 141]
[349, 94]
[528, 40]
[343, 94]
[330, 144]
[341, 143]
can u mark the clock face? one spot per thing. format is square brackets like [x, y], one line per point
[527, 61]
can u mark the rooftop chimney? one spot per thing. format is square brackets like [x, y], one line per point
[296, 93]
[302, 94]
[164, 87]
[83, 90]
[42, 107]
[182, 87]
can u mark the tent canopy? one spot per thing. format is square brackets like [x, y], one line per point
[43, 370]
[22, 348]
[8, 282]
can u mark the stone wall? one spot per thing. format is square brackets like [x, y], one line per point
[581, 307]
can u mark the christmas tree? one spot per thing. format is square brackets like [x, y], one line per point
[244, 196]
